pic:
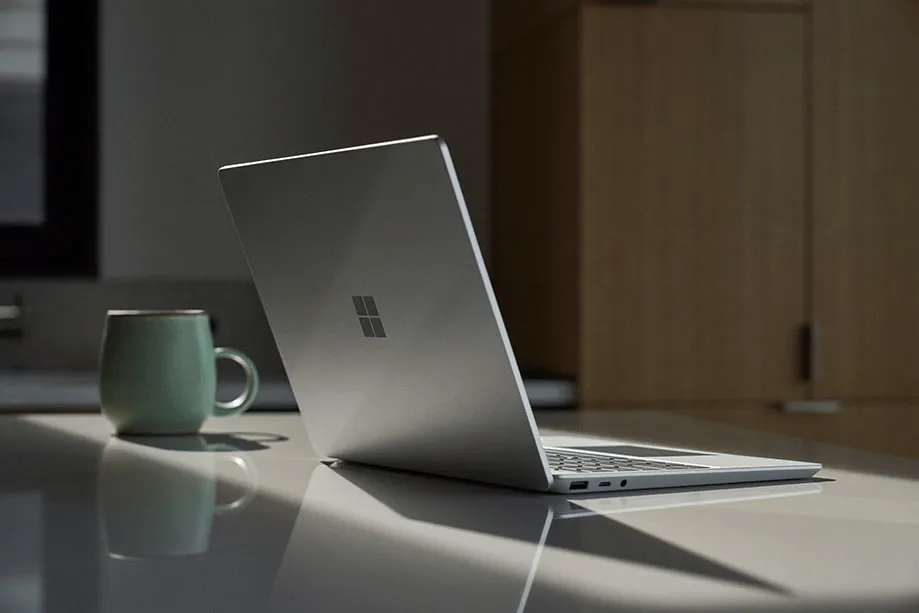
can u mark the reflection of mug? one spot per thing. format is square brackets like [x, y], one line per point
[159, 502]
[158, 372]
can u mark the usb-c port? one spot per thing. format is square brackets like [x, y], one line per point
[604, 484]
[578, 485]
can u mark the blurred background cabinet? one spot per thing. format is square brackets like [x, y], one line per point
[681, 188]
[652, 158]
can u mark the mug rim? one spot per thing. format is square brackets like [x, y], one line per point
[155, 313]
[157, 556]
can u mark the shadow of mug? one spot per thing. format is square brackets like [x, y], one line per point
[156, 501]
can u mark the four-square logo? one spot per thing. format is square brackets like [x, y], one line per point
[369, 316]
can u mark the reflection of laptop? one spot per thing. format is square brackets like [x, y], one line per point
[376, 292]
[422, 544]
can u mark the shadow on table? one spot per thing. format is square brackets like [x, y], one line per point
[210, 442]
[577, 523]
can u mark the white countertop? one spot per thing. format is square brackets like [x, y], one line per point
[60, 391]
[245, 518]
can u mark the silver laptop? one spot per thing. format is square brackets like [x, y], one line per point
[376, 292]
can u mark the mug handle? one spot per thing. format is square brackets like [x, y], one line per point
[248, 467]
[244, 401]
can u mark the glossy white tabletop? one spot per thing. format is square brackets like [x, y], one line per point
[244, 518]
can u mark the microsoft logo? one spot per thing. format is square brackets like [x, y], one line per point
[369, 316]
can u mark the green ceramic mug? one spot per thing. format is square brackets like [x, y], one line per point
[158, 372]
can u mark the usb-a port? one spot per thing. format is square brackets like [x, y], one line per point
[578, 485]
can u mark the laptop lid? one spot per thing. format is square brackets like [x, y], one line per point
[377, 295]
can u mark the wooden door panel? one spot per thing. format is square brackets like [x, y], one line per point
[693, 204]
[866, 197]
[535, 140]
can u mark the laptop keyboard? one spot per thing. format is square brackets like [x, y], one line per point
[572, 462]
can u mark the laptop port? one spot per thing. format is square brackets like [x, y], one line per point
[578, 485]
[604, 484]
